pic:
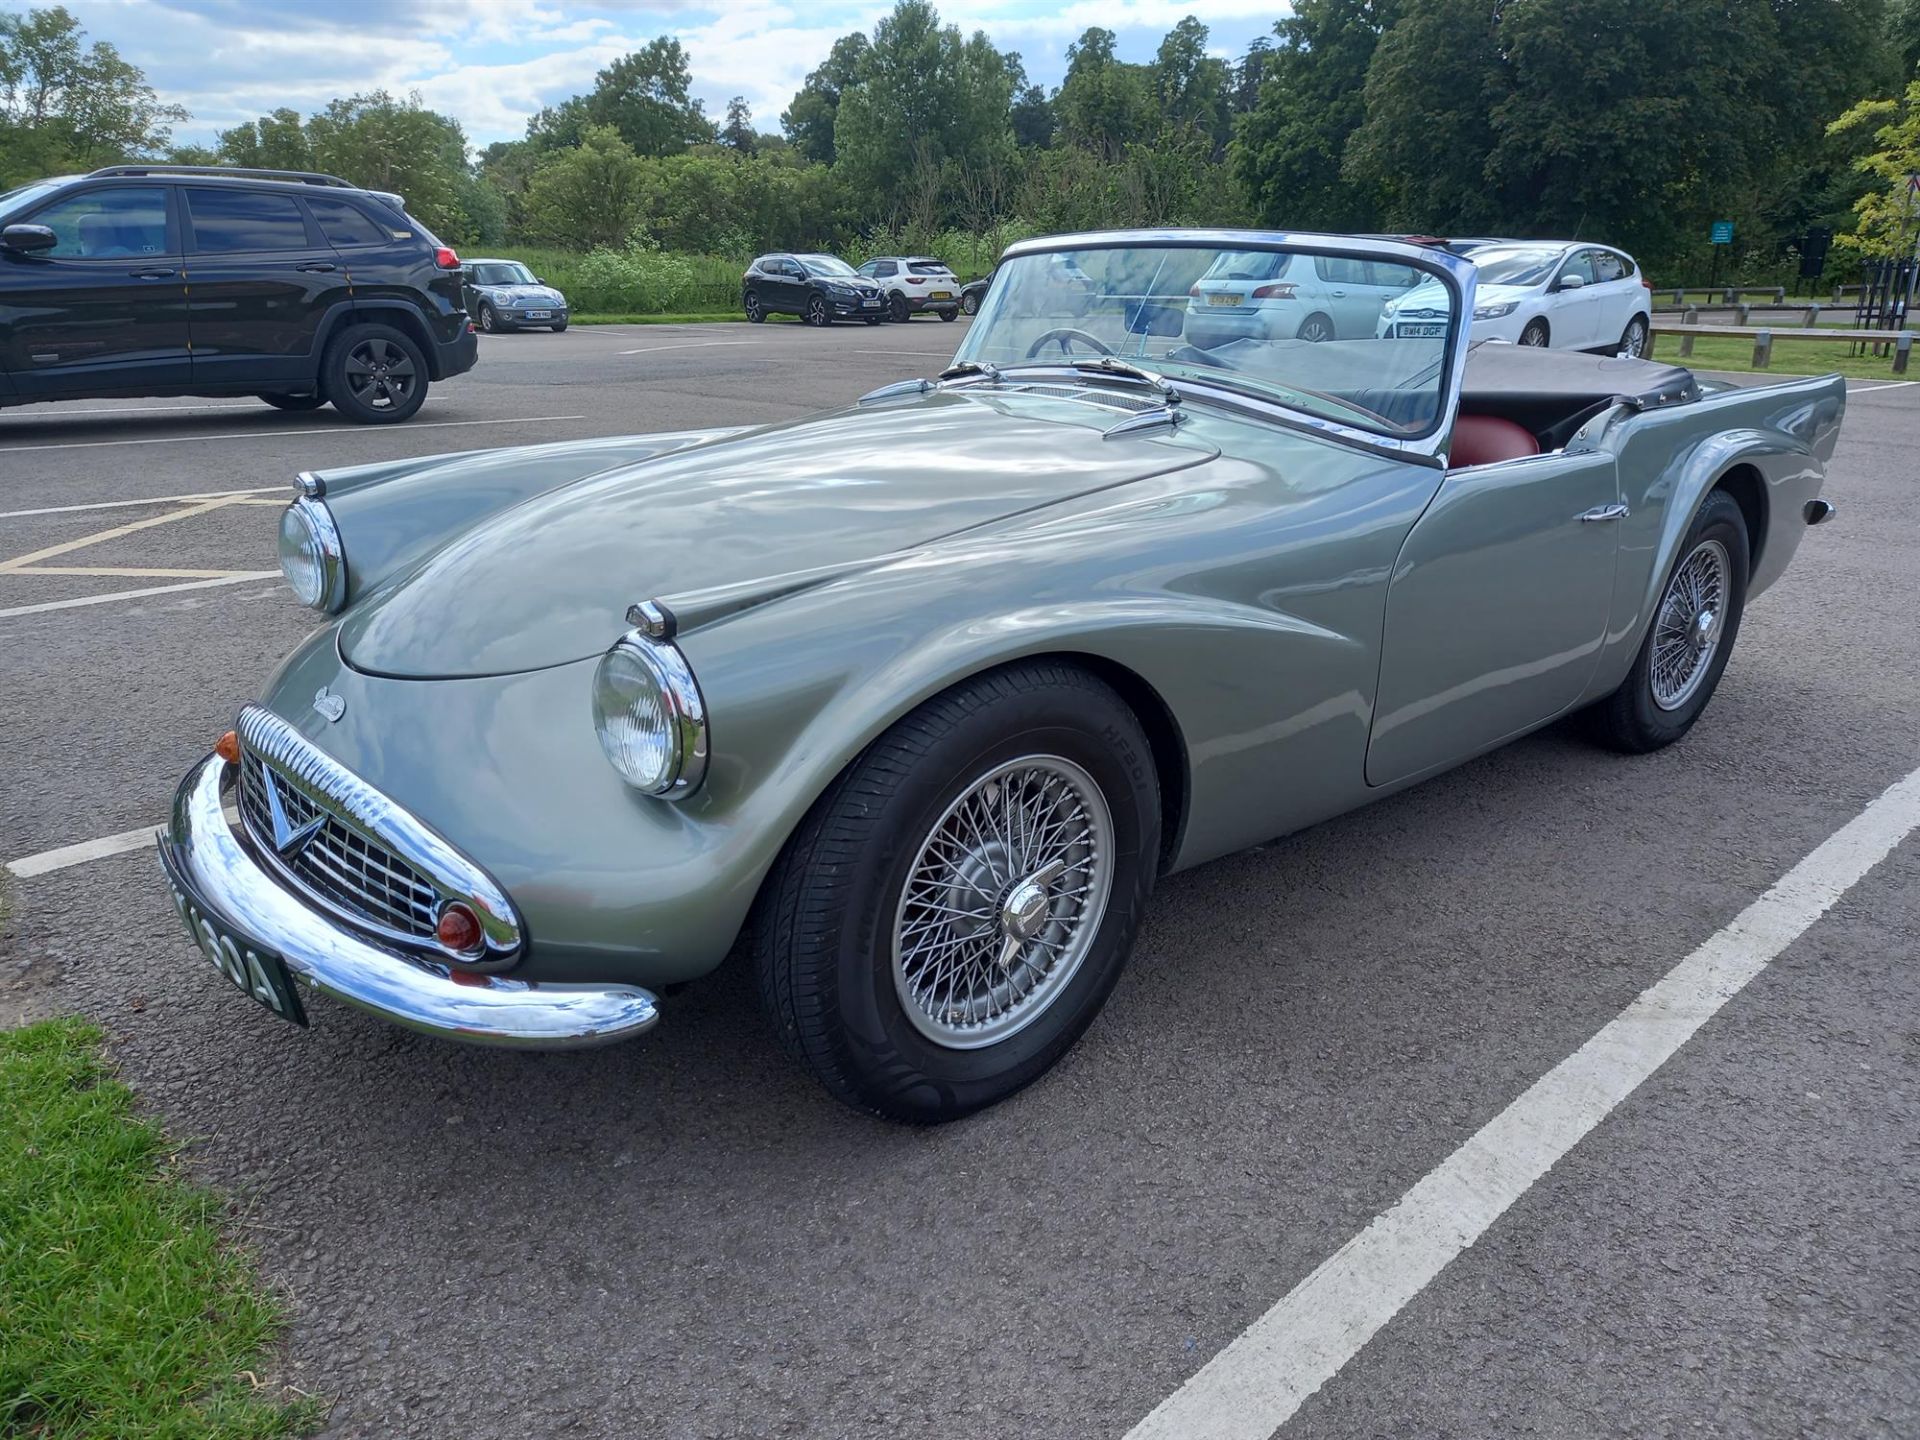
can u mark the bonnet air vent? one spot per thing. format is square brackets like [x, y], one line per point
[1088, 394]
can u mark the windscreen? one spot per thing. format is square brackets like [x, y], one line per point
[825, 265]
[1516, 267]
[927, 267]
[502, 272]
[1320, 332]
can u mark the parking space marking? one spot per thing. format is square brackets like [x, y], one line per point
[78, 601]
[1258, 1381]
[688, 345]
[154, 500]
[1889, 385]
[25, 564]
[28, 866]
[341, 430]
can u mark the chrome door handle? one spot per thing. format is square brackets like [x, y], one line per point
[1606, 512]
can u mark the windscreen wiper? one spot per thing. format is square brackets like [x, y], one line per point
[972, 367]
[1114, 365]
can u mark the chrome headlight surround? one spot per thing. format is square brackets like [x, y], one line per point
[650, 717]
[312, 557]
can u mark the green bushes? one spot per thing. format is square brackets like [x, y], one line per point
[640, 279]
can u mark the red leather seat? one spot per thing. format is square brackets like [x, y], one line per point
[1484, 439]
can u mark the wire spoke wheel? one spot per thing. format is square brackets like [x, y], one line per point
[1688, 627]
[1003, 902]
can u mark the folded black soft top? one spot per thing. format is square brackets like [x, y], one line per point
[1502, 377]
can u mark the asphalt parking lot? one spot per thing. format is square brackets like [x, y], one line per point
[684, 1237]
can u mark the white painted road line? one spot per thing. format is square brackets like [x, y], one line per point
[686, 345]
[1890, 385]
[1252, 1387]
[286, 489]
[47, 860]
[412, 425]
[79, 600]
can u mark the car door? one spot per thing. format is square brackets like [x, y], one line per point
[103, 310]
[791, 281]
[1576, 314]
[1620, 294]
[1497, 609]
[261, 278]
[1344, 292]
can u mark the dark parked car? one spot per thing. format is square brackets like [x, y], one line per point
[974, 291]
[202, 280]
[506, 295]
[820, 289]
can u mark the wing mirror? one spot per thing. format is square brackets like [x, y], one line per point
[28, 239]
[1149, 318]
[1571, 282]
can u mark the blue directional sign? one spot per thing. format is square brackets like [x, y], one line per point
[1723, 232]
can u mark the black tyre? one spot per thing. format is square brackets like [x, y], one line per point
[1535, 333]
[1689, 638]
[970, 302]
[560, 328]
[817, 313]
[489, 322]
[374, 374]
[755, 314]
[954, 911]
[295, 402]
[949, 314]
[1316, 327]
[1633, 340]
[897, 309]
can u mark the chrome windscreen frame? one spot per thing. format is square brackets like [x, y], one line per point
[337, 791]
[1455, 272]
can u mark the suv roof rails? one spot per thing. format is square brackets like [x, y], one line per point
[305, 177]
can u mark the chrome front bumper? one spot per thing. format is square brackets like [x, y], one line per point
[215, 867]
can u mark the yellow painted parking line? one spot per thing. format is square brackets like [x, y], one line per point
[67, 547]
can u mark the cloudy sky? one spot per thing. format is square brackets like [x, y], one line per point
[491, 63]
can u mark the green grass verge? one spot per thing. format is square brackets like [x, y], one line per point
[1727, 352]
[122, 1310]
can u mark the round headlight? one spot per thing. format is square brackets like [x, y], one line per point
[311, 556]
[650, 718]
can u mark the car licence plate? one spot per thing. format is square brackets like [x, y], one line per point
[539, 314]
[1420, 332]
[872, 304]
[251, 967]
[1220, 299]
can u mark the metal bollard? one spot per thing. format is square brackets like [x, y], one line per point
[1763, 350]
[1901, 348]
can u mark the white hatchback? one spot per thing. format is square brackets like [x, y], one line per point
[1271, 295]
[1571, 297]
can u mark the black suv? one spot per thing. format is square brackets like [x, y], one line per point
[202, 280]
[818, 288]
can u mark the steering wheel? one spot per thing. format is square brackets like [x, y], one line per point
[1065, 333]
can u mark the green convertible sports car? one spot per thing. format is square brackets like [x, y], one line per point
[909, 705]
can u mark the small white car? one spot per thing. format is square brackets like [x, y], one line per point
[1542, 292]
[1272, 295]
[913, 283]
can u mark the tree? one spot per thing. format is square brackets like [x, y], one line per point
[645, 96]
[590, 195]
[66, 105]
[924, 101]
[808, 122]
[272, 142]
[1104, 104]
[1903, 24]
[1309, 99]
[1885, 214]
[1191, 86]
[739, 128]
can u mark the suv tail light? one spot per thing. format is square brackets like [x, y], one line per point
[446, 259]
[1282, 291]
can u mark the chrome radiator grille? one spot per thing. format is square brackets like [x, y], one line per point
[356, 853]
[337, 863]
